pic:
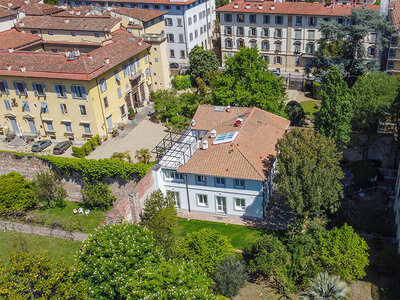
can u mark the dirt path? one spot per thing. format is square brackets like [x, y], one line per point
[26, 228]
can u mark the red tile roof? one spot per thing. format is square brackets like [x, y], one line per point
[292, 8]
[5, 12]
[249, 156]
[122, 47]
[394, 13]
[73, 24]
[36, 9]
[82, 12]
[14, 4]
[164, 2]
[139, 14]
[15, 39]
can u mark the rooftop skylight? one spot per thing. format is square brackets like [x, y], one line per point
[225, 138]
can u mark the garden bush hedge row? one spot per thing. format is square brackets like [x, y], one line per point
[87, 147]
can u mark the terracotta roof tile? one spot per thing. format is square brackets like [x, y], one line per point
[5, 12]
[249, 156]
[36, 9]
[122, 46]
[61, 23]
[292, 8]
[139, 14]
[15, 39]
[394, 13]
[82, 12]
[14, 4]
[165, 2]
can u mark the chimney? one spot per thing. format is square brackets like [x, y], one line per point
[10, 4]
[213, 133]
[205, 145]
[140, 43]
[272, 7]
[67, 53]
[23, 69]
[90, 56]
[10, 50]
[21, 24]
[260, 7]
[66, 21]
[193, 123]
[8, 68]
[76, 52]
[239, 121]
[235, 5]
[106, 60]
[228, 109]
[78, 13]
[247, 6]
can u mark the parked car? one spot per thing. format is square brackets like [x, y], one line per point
[60, 148]
[40, 145]
[174, 66]
[276, 72]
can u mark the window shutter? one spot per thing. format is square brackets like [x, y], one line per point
[275, 33]
[6, 87]
[44, 90]
[58, 90]
[249, 31]
[62, 109]
[83, 92]
[274, 59]
[25, 89]
[73, 91]
[16, 87]
[64, 91]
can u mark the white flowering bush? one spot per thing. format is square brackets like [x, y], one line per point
[173, 279]
[110, 257]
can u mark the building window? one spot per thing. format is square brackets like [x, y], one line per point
[68, 127]
[297, 47]
[228, 18]
[4, 88]
[372, 38]
[119, 92]
[240, 31]
[20, 88]
[191, 36]
[176, 197]
[172, 53]
[392, 53]
[200, 15]
[265, 32]
[7, 104]
[168, 22]
[82, 109]
[253, 32]
[25, 106]
[73, 33]
[116, 76]
[393, 41]
[340, 20]
[228, 43]
[253, 19]
[122, 109]
[194, 19]
[266, 19]
[49, 125]
[265, 45]
[183, 54]
[170, 38]
[253, 44]
[61, 91]
[312, 21]
[297, 34]
[240, 18]
[190, 21]
[34, 32]
[39, 89]
[179, 22]
[228, 30]
[310, 48]
[63, 108]
[326, 19]
[240, 43]
[240, 204]
[311, 34]
[196, 34]
[201, 179]
[78, 92]
[278, 46]
[278, 33]
[103, 85]
[86, 128]
[299, 20]
[44, 109]
[371, 51]
[145, 58]
[278, 20]
[170, 175]
[105, 99]
[220, 181]
[390, 65]
[239, 183]
[50, 32]
[181, 38]
[202, 200]
[278, 60]
[201, 30]
[266, 58]
[96, 34]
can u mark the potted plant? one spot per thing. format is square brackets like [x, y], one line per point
[122, 126]
[131, 114]
[114, 132]
[105, 137]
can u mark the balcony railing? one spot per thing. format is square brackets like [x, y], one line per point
[153, 37]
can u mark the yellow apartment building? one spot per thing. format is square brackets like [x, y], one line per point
[75, 95]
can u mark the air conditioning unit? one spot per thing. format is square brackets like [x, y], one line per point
[205, 145]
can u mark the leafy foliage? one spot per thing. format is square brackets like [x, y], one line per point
[327, 287]
[182, 82]
[87, 147]
[205, 248]
[201, 62]
[395, 114]
[16, 193]
[309, 173]
[34, 276]
[124, 156]
[247, 82]
[342, 252]
[49, 188]
[143, 156]
[161, 217]
[97, 195]
[335, 115]
[230, 276]
[171, 279]
[296, 114]
[110, 257]
[93, 169]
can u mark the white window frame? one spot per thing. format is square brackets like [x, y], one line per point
[241, 207]
[201, 181]
[202, 197]
[220, 181]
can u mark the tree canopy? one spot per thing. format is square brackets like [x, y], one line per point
[247, 82]
[16, 193]
[202, 62]
[333, 120]
[308, 173]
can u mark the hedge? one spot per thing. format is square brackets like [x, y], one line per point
[87, 147]
[92, 169]
[317, 89]
[182, 82]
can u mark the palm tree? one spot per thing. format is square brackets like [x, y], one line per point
[124, 156]
[143, 155]
[327, 287]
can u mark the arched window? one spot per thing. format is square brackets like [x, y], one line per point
[240, 43]
[265, 45]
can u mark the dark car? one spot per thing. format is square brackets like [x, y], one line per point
[174, 66]
[60, 148]
[40, 145]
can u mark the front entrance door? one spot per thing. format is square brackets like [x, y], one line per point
[109, 123]
[14, 125]
[32, 126]
[221, 205]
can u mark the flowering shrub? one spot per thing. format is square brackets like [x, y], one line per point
[111, 256]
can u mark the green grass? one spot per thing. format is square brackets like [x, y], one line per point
[309, 107]
[240, 236]
[11, 242]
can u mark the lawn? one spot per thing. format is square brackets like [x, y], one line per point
[11, 242]
[309, 107]
[240, 236]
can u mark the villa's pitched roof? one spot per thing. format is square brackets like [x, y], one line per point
[138, 13]
[15, 39]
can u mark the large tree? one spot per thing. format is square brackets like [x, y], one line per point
[201, 62]
[247, 82]
[309, 174]
[16, 193]
[34, 276]
[343, 43]
[333, 120]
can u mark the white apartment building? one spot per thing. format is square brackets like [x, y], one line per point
[286, 33]
[187, 23]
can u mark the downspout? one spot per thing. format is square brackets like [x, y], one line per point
[184, 30]
[187, 192]
[102, 109]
